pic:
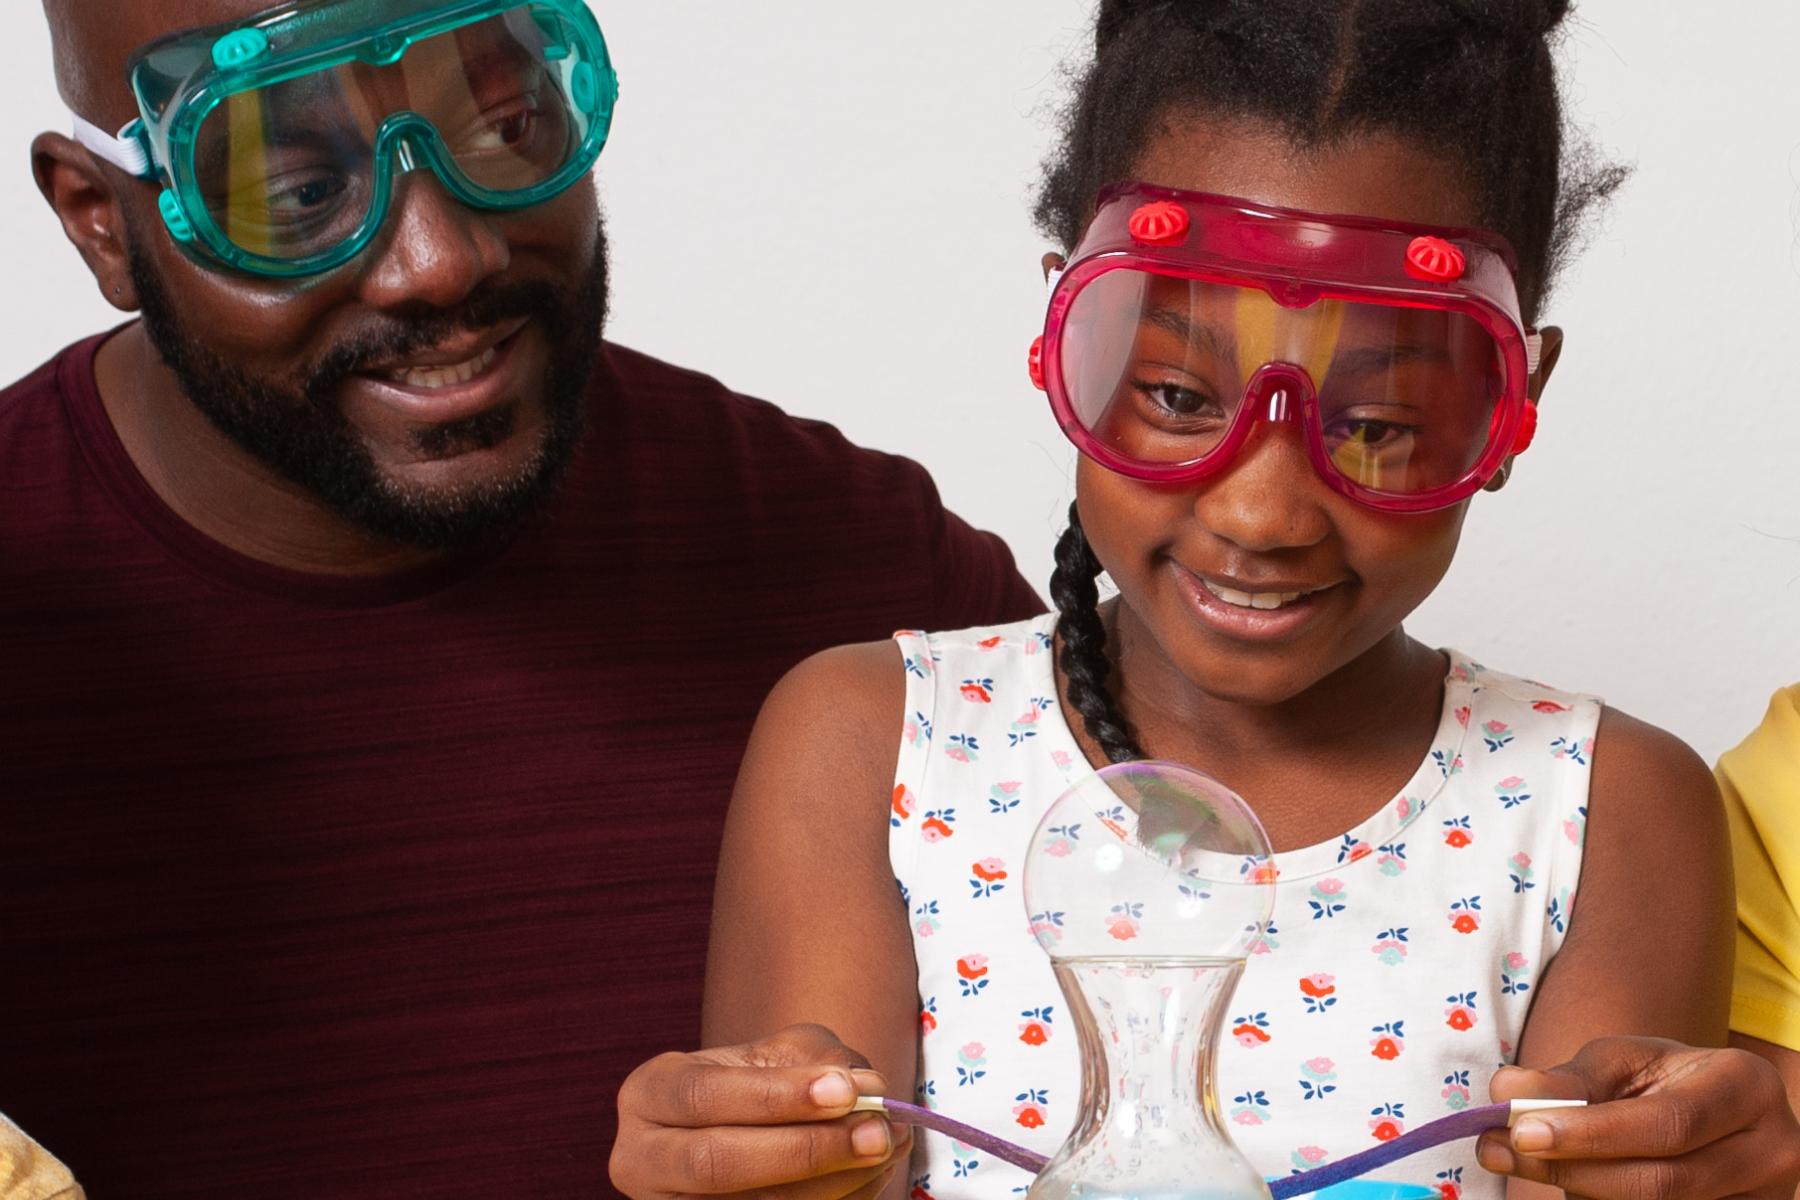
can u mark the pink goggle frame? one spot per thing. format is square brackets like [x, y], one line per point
[1298, 259]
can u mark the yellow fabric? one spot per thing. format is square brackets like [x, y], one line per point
[27, 1173]
[1761, 783]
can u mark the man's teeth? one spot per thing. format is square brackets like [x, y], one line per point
[1263, 600]
[450, 376]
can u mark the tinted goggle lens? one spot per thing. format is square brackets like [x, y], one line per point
[288, 171]
[1159, 368]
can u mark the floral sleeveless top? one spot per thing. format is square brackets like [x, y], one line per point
[1394, 978]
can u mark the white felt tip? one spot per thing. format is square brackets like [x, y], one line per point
[1521, 1108]
[869, 1104]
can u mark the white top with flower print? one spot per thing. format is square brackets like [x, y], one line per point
[1395, 976]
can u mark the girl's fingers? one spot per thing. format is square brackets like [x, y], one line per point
[687, 1091]
[723, 1160]
[862, 1184]
[1708, 1175]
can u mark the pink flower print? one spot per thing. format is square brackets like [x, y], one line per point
[1061, 759]
[1465, 914]
[1305, 1158]
[1403, 808]
[1577, 752]
[1251, 1031]
[1353, 849]
[1520, 872]
[936, 825]
[1319, 1068]
[928, 1017]
[1328, 899]
[1461, 1015]
[972, 966]
[1462, 716]
[1575, 829]
[1392, 862]
[904, 803]
[1515, 969]
[1004, 797]
[973, 1054]
[963, 748]
[1262, 941]
[916, 731]
[1512, 791]
[1390, 946]
[978, 691]
[1456, 1091]
[928, 923]
[1251, 1108]
[1497, 734]
[1125, 921]
[1318, 1078]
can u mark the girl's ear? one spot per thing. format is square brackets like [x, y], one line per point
[1548, 355]
[1052, 262]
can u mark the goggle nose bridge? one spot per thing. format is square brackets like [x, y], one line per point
[1279, 392]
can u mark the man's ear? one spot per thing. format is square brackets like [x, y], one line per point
[81, 192]
[1549, 352]
[1052, 262]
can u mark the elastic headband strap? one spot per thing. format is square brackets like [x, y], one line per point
[123, 150]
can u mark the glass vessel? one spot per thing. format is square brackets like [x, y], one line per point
[1147, 884]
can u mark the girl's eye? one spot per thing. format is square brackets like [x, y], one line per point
[1371, 435]
[1173, 400]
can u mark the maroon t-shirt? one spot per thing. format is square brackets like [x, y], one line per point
[324, 888]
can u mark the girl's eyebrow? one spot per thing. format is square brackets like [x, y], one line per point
[1380, 358]
[1208, 337]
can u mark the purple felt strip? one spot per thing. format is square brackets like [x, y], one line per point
[1471, 1122]
[911, 1114]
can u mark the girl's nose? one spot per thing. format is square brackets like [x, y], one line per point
[1269, 499]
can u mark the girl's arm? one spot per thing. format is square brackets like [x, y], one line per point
[810, 965]
[1649, 948]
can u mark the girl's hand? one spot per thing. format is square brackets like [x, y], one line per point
[1669, 1122]
[770, 1117]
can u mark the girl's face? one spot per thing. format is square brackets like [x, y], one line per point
[1197, 564]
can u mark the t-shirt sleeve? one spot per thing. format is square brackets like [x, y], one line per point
[974, 579]
[1760, 781]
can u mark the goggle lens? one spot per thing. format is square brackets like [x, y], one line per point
[1158, 368]
[288, 171]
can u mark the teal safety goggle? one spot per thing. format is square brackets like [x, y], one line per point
[277, 140]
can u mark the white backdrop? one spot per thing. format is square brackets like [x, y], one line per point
[825, 204]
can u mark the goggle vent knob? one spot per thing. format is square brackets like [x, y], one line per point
[1159, 223]
[1435, 260]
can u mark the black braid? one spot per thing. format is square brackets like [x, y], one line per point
[1083, 660]
[1472, 79]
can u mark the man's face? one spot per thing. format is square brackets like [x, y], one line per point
[430, 390]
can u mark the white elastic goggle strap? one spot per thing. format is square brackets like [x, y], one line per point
[124, 152]
[1534, 352]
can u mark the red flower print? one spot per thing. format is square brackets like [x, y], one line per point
[992, 643]
[973, 966]
[1548, 706]
[1029, 1115]
[1466, 922]
[1033, 1033]
[1450, 1191]
[935, 830]
[1460, 1019]
[1386, 1049]
[927, 1022]
[1250, 1035]
[1457, 838]
[976, 694]
[1122, 926]
[919, 1193]
[1318, 986]
[989, 869]
[1386, 1129]
[903, 802]
[1266, 872]
[1462, 716]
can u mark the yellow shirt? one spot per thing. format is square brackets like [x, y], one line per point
[1761, 783]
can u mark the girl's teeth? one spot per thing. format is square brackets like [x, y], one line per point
[1262, 600]
[442, 377]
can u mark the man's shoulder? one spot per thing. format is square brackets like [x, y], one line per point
[37, 433]
[676, 415]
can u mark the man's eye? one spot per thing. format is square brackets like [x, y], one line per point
[305, 196]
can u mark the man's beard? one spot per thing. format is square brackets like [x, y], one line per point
[295, 427]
